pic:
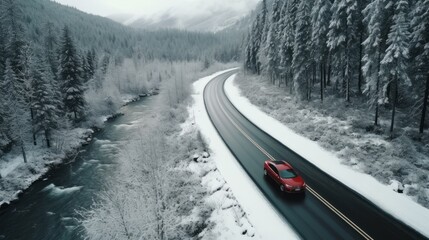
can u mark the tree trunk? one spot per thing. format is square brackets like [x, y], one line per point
[328, 83]
[75, 114]
[425, 102]
[32, 128]
[360, 65]
[286, 80]
[321, 81]
[395, 96]
[348, 86]
[377, 107]
[324, 75]
[376, 103]
[48, 142]
[309, 88]
[24, 155]
[34, 138]
[314, 74]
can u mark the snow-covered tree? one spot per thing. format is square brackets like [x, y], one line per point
[248, 66]
[264, 27]
[273, 42]
[91, 64]
[256, 41]
[16, 118]
[361, 35]
[288, 39]
[301, 55]
[17, 48]
[51, 48]
[420, 39]
[3, 50]
[146, 203]
[45, 109]
[394, 65]
[320, 17]
[374, 45]
[72, 88]
[341, 42]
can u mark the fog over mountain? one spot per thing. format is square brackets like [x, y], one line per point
[193, 15]
[212, 22]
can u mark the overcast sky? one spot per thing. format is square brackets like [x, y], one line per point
[150, 8]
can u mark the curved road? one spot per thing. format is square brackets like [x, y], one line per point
[329, 209]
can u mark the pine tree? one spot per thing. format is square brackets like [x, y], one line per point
[342, 41]
[72, 88]
[16, 46]
[301, 54]
[13, 105]
[44, 105]
[105, 63]
[253, 46]
[420, 39]
[394, 65]
[84, 70]
[288, 39]
[273, 42]
[373, 51]
[91, 61]
[321, 14]
[360, 37]
[262, 36]
[51, 47]
[248, 53]
[3, 50]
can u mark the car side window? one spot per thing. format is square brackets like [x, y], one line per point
[274, 169]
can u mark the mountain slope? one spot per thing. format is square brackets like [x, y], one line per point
[214, 22]
[106, 35]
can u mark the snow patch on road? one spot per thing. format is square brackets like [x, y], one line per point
[398, 205]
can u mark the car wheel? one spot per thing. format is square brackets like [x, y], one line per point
[282, 188]
[265, 172]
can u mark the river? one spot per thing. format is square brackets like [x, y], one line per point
[48, 209]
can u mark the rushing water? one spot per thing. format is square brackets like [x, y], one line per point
[47, 210]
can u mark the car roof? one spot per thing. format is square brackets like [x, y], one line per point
[281, 165]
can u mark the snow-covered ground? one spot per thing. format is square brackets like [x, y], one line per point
[257, 216]
[398, 205]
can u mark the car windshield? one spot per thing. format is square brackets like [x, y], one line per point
[288, 173]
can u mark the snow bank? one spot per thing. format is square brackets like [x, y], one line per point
[264, 218]
[397, 205]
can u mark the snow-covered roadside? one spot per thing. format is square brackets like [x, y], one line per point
[267, 223]
[398, 205]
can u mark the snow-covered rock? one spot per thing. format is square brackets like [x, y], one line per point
[396, 186]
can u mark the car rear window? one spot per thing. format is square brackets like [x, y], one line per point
[289, 173]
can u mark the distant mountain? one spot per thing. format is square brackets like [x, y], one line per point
[107, 36]
[244, 23]
[215, 22]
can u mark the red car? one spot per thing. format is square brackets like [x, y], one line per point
[284, 175]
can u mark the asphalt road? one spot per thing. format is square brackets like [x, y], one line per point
[328, 210]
